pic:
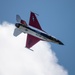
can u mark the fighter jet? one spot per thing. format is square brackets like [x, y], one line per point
[34, 31]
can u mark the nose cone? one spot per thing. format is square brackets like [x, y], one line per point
[61, 43]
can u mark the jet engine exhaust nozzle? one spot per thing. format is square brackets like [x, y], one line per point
[17, 25]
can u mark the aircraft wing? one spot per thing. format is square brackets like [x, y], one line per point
[34, 22]
[31, 40]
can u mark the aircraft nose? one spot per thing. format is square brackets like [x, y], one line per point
[61, 43]
[17, 25]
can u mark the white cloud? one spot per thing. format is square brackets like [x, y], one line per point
[15, 59]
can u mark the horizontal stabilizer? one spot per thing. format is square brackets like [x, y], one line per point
[17, 31]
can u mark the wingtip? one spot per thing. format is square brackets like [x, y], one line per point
[34, 13]
[29, 49]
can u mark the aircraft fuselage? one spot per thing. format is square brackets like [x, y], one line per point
[39, 34]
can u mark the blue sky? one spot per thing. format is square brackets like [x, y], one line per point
[57, 17]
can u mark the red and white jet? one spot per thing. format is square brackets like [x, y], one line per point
[34, 31]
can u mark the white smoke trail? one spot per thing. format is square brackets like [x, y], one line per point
[15, 59]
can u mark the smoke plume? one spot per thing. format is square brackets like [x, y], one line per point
[15, 59]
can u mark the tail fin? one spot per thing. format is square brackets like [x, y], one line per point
[18, 19]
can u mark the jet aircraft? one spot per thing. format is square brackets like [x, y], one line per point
[34, 31]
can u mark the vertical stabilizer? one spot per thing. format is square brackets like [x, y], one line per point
[18, 18]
